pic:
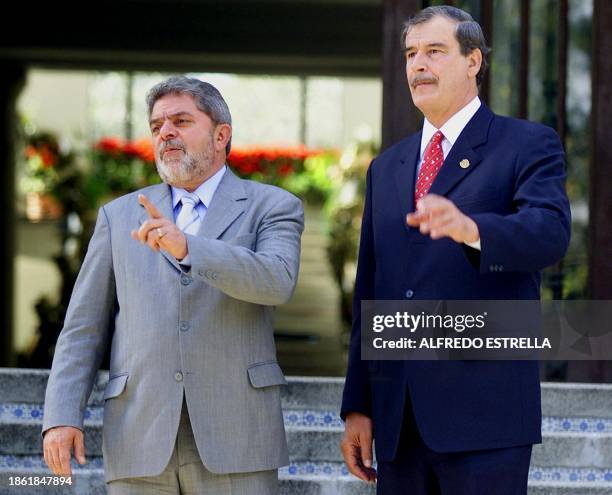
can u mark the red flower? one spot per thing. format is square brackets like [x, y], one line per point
[111, 145]
[269, 161]
[285, 169]
[30, 151]
[47, 156]
[145, 149]
[140, 148]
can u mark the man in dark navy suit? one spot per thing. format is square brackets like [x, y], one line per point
[471, 207]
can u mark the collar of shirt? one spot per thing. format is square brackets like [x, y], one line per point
[205, 191]
[451, 129]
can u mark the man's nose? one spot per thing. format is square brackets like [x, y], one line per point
[167, 131]
[419, 63]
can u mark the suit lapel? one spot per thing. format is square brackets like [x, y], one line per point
[473, 135]
[227, 205]
[405, 175]
[161, 196]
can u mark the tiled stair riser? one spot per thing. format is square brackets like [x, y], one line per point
[577, 430]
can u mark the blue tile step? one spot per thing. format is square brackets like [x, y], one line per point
[558, 399]
[300, 478]
[315, 436]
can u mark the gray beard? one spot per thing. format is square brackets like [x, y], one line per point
[190, 168]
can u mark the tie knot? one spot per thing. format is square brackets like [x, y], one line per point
[190, 199]
[437, 138]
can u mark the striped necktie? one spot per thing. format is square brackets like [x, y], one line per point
[188, 218]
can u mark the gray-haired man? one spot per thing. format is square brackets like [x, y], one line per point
[188, 272]
[472, 207]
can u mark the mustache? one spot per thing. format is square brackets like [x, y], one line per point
[172, 143]
[423, 79]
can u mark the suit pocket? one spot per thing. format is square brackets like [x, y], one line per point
[115, 386]
[244, 240]
[266, 374]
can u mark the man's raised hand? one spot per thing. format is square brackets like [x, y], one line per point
[159, 232]
[439, 217]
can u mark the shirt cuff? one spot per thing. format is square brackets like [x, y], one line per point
[475, 245]
[186, 261]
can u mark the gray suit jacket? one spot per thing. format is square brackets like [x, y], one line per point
[207, 331]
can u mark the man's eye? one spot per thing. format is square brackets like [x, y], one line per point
[154, 130]
[410, 55]
[434, 51]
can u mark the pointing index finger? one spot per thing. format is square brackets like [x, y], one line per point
[151, 209]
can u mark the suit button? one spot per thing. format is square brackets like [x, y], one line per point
[185, 280]
[201, 272]
[214, 275]
[178, 376]
[185, 326]
[208, 273]
[409, 294]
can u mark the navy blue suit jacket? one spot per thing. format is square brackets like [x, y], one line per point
[514, 190]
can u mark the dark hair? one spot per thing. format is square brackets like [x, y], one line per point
[207, 98]
[468, 33]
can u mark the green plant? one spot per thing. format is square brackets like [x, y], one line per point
[345, 208]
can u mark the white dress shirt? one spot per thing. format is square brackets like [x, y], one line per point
[451, 130]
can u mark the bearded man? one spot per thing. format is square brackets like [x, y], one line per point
[181, 279]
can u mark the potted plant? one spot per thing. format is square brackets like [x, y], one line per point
[45, 166]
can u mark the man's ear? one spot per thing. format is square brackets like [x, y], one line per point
[223, 133]
[474, 62]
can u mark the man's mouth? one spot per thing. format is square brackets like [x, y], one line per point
[169, 150]
[421, 83]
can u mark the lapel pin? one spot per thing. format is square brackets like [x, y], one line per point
[465, 163]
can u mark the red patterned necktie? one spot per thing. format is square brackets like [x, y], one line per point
[432, 162]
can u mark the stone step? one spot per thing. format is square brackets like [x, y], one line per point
[577, 399]
[557, 449]
[304, 478]
[558, 399]
[326, 419]
[316, 435]
[305, 392]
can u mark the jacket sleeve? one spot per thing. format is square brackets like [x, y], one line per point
[537, 233]
[266, 274]
[356, 396]
[83, 340]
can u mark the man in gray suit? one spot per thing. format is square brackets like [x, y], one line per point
[187, 273]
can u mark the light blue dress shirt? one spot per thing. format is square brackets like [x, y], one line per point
[205, 192]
